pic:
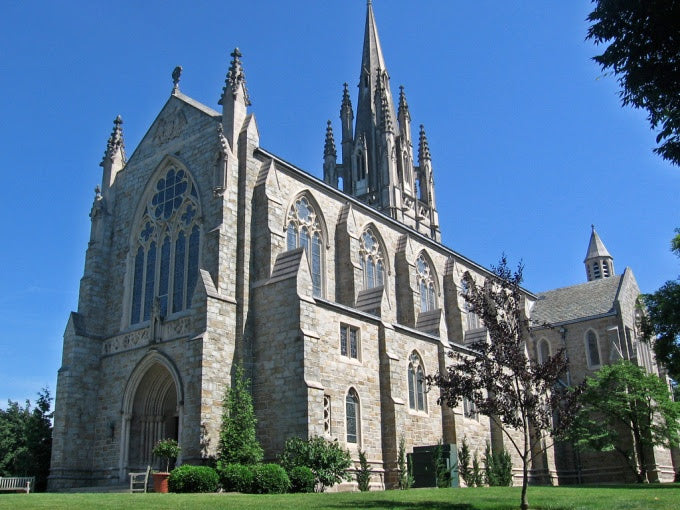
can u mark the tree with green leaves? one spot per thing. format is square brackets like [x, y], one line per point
[327, 459]
[628, 411]
[405, 476]
[26, 439]
[464, 469]
[500, 378]
[238, 442]
[661, 322]
[643, 51]
[364, 473]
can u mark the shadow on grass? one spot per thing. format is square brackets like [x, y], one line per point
[630, 486]
[424, 505]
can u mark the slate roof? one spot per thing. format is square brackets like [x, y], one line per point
[581, 301]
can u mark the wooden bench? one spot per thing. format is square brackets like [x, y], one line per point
[17, 483]
[139, 482]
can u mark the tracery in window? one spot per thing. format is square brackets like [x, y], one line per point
[352, 416]
[592, 349]
[163, 268]
[416, 383]
[425, 284]
[372, 260]
[304, 231]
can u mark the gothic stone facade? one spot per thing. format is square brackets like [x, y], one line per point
[337, 296]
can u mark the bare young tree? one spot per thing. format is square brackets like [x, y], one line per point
[501, 379]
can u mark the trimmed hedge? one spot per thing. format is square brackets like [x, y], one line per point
[189, 478]
[270, 479]
[236, 477]
[302, 479]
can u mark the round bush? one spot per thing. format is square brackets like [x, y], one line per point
[270, 479]
[302, 479]
[235, 477]
[193, 479]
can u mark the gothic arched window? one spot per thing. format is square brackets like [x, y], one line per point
[304, 231]
[352, 416]
[425, 285]
[372, 260]
[543, 350]
[166, 248]
[592, 349]
[416, 383]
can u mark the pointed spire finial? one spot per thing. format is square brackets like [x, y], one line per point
[592, 226]
[329, 146]
[403, 105]
[346, 101]
[115, 141]
[423, 146]
[235, 77]
[176, 74]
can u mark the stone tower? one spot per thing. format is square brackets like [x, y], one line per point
[377, 151]
[599, 263]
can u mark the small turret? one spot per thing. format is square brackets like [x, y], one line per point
[599, 263]
[346, 118]
[114, 157]
[234, 100]
[330, 156]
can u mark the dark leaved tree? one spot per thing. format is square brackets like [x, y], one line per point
[643, 51]
[500, 378]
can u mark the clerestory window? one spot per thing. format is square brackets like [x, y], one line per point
[304, 231]
[166, 248]
[425, 285]
[372, 260]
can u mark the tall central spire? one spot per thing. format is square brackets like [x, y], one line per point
[377, 152]
[372, 68]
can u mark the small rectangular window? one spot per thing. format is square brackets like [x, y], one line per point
[349, 341]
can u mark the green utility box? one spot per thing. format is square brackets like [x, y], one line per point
[421, 462]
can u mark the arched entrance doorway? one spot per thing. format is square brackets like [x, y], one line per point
[152, 408]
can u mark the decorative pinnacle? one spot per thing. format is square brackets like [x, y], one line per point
[176, 74]
[329, 146]
[235, 77]
[383, 103]
[423, 146]
[403, 105]
[115, 141]
[346, 101]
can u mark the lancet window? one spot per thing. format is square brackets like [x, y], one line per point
[352, 416]
[425, 284]
[416, 383]
[372, 261]
[166, 248]
[593, 349]
[304, 231]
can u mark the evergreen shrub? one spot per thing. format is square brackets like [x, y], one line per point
[269, 479]
[302, 479]
[189, 478]
[235, 477]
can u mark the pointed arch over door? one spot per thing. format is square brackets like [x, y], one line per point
[152, 410]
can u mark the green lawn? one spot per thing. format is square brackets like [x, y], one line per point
[632, 497]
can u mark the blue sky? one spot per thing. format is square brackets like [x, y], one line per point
[529, 143]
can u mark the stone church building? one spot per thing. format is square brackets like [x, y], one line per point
[336, 295]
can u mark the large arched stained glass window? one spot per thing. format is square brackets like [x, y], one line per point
[425, 285]
[372, 261]
[352, 416]
[166, 248]
[416, 383]
[304, 231]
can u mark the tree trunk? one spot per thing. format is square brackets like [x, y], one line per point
[525, 468]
